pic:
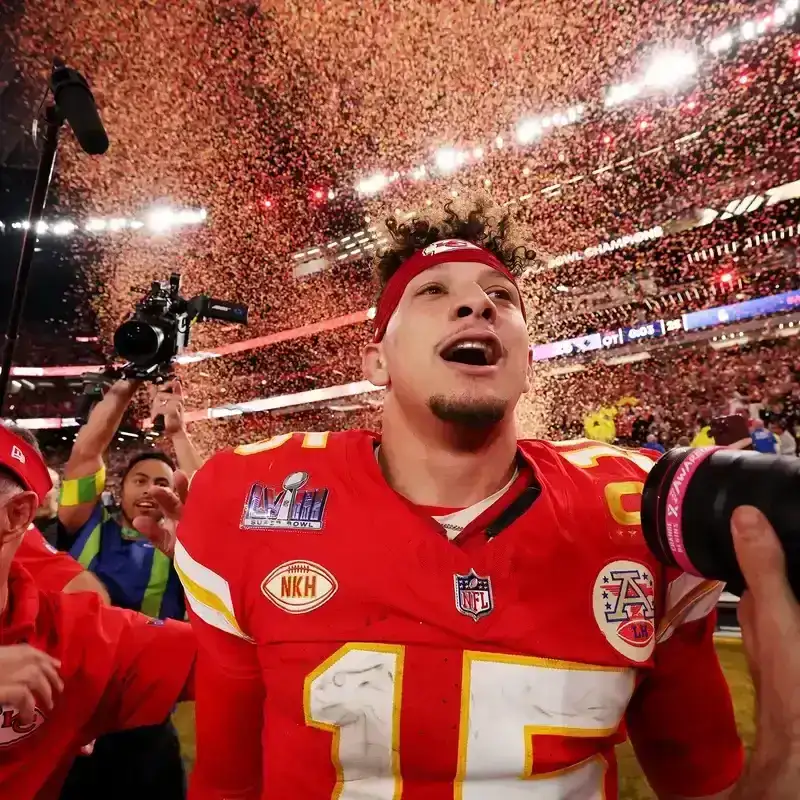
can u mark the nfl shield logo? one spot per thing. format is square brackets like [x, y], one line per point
[473, 595]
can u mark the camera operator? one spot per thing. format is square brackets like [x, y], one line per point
[137, 575]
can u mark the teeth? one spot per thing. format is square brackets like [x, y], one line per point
[474, 345]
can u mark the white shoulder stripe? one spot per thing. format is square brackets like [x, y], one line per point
[208, 594]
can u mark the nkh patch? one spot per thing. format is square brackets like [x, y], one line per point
[624, 609]
[298, 587]
[447, 245]
[474, 596]
[287, 508]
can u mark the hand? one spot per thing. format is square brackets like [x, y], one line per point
[28, 675]
[167, 400]
[124, 387]
[161, 533]
[770, 618]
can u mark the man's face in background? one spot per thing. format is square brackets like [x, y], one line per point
[136, 500]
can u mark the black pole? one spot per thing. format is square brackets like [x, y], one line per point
[47, 160]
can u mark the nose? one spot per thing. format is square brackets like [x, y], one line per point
[478, 304]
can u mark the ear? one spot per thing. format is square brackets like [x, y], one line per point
[373, 363]
[528, 372]
[18, 512]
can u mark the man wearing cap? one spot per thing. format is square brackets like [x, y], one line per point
[71, 668]
[443, 610]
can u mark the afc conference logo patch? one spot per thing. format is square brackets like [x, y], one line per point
[447, 245]
[298, 587]
[12, 730]
[473, 595]
[624, 610]
[289, 508]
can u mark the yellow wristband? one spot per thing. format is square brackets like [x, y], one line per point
[77, 491]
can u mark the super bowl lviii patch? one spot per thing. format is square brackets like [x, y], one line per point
[289, 507]
[624, 610]
[473, 595]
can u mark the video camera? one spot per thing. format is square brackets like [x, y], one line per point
[158, 330]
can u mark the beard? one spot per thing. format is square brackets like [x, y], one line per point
[468, 412]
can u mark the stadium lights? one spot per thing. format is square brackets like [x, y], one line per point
[159, 220]
[64, 228]
[621, 93]
[447, 159]
[373, 184]
[163, 219]
[668, 70]
[748, 30]
[721, 43]
[528, 130]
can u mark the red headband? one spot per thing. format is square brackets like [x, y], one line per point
[433, 254]
[18, 457]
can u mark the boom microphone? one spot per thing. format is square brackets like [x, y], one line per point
[76, 102]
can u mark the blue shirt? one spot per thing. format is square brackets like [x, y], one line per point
[136, 574]
[764, 441]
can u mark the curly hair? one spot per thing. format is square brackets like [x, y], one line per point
[484, 224]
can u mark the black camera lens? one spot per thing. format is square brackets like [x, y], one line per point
[690, 495]
[138, 342]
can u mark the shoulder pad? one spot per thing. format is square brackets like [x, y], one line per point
[328, 443]
[587, 454]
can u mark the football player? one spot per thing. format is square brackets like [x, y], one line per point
[443, 610]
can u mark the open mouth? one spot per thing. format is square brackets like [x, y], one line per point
[473, 351]
[146, 505]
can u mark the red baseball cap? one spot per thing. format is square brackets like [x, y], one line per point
[23, 460]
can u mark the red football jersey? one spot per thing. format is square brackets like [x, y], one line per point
[120, 670]
[348, 649]
[51, 569]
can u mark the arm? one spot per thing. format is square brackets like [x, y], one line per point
[229, 698]
[189, 460]
[84, 474]
[86, 581]
[153, 668]
[228, 684]
[168, 401]
[55, 571]
[680, 719]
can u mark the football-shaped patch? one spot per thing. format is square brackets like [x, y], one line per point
[298, 587]
[624, 608]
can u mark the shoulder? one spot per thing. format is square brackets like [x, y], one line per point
[598, 460]
[273, 459]
[306, 444]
